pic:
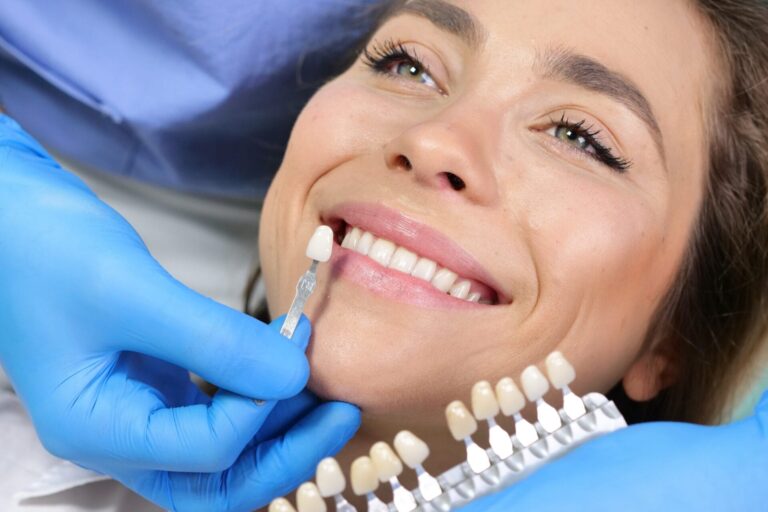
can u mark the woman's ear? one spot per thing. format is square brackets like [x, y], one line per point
[655, 369]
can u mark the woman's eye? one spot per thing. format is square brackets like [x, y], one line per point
[586, 140]
[393, 59]
[413, 71]
[570, 136]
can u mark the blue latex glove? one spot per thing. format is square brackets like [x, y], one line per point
[94, 335]
[652, 466]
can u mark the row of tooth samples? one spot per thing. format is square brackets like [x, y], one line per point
[506, 397]
[383, 465]
[388, 254]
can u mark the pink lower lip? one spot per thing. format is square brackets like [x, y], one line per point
[392, 284]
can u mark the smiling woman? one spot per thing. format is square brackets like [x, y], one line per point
[506, 179]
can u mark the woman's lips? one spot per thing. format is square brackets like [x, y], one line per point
[414, 236]
[395, 285]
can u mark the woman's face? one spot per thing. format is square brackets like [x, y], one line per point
[549, 153]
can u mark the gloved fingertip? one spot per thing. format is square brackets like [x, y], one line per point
[345, 418]
[303, 333]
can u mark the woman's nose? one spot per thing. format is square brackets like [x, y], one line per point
[441, 156]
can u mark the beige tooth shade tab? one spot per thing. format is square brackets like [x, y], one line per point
[510, 397]
[363, 476]
[329, 478]
[321, 244]
[535, 385]
[412, 450]
[387, 464]
[308, 498]
[281, 505]
[460, 422]
[559, 370]
[484, 403]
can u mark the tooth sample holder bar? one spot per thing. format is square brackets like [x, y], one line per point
[461, 485]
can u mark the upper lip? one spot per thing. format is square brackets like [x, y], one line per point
[407, 232]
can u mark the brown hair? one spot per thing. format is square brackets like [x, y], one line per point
[714, 318]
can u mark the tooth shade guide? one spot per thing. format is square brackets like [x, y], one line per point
[466, 481]
[320, 244]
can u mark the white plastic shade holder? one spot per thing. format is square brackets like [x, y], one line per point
[461, 485]
[510, 458]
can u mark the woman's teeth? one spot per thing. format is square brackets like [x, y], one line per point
[389, 255]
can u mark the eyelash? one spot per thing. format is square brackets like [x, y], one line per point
[381, 57]
[602, 153]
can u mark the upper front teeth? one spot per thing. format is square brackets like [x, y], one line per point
[390, 255]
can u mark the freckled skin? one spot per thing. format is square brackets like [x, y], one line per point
[586, 253]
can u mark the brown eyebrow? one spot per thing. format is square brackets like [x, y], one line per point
[560, 64]
[565, 65]
[447, 17]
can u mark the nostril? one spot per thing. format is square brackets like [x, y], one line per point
[402, 162]
[456, 182]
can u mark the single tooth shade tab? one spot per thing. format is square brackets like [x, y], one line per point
[444, 279]
[560, 371]
[320, 245]
[281, 505]
[484, 403]
[403, 260]
[425, 269]
[411, 449]
[363, 476]
[510, 397]
[535, 385]
[351, 238]
[381, 251]
[308, 499]
[329, 477]
[365, 243]
[388, 465]
[460, 422]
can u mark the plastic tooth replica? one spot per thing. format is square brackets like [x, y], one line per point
[308, 498]
[331, 483]
[319, 250]
[485, 407]
[462, 425]
[281, 505]
[536, 386]
[561, 374]
[413, 451]
[389, 467]
[512, 401]
[365, 480]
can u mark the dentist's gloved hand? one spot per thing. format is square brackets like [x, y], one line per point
[96, 339]
[663, 467]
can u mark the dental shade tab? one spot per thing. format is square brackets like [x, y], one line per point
[413, 451]
[318, 250]
[365, 481]
[389, 467]
[331, 483]
[585, 418]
